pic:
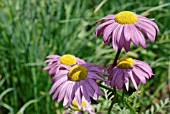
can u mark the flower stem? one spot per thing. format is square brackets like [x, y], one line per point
[117, 94]
[122, 97]
[110, 108]
[113, 100]
[114, 91]
[130, 107]
[116, 58]
[105, 87]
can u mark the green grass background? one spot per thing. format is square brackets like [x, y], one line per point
[32, 29]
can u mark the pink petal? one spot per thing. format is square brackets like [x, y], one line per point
[101, 27]
[119, 81]
[58, 83]
[49, 67]
[142, 40]
[120, 37]
[90, 90]
[133, 35]
[114, 38]
[51, 60]
[80, 61]
[141, 72]
[139, 75]
[62, 92]
[85, 92]
[61, 73]
[57, 91]
[153, 33]
[144, 69]
[150, 32]
[144, 66]
[108, 17]
[126, 76]
[140, 36]
[53, 71]
[133, 80]
[78, 96]
[67, 97]
[96, 70]
[114, 76]
[94, 86]
[137, 80]
[107, 32]
[53, 56]
[149, 21]
[127, 32]
[95, 77]
[127, 46]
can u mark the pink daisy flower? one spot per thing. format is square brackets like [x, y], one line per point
[77, 82]
[125, 27]
[86, 107]
[56, 62]
[129, 69]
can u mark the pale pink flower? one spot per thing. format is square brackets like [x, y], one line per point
[86, 107]
[56, 62]
[77, 82]
[125, 27]
[129, 69]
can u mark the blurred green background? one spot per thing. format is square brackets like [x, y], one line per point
[32, 29]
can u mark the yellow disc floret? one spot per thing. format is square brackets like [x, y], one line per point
[77, 73]
[68, 59]
[75, 106]
[126, 17]
[125, 63]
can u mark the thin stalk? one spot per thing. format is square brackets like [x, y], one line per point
[115, 92]
[116, 58]
[131, 108]
[113, 100]
[122, 97]
[105, 87]
[110, 108]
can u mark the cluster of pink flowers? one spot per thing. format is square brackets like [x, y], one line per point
[75, 80]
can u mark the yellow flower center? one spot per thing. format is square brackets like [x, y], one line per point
[68, 59]
[75, 106]
[125, 63]
[77, 73]
[126, 17]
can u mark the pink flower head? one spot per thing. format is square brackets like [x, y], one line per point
[125, 27]
[77, 82]
[127, 68]
[56, 62]
[86, 107]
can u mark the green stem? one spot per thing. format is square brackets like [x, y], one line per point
[105, 87]
[115, 92]
[113, 100]
[116, 58]
[110, 108]
[122, 97]
[117, 95]
[131, 108]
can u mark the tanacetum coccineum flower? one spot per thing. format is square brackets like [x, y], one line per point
[76, 82]
[55, 62]
[86, 107]
[125, 27]
[127, 68]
